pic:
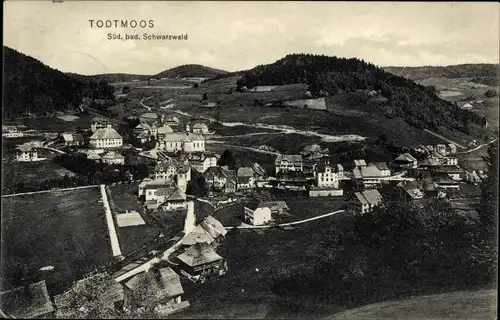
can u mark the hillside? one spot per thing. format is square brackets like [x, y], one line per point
[191, 70]
[329, 76]
[481, 73]
[457, 305]
[113, 77]
[31, 86]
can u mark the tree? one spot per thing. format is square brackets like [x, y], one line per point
[227, 159]
[489, 192]
[126, 89]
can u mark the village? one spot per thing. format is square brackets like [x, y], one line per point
[178, 153]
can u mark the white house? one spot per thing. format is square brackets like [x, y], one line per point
[106, 138]
[166, 170]
[112, 157]
[289, 163]
[327, 176]
[382, 167]
[366, 201]
[201, 161]
[467, 106]
[11, 132]
[450, 161]
[359, 163]
[245, 178]
[73, 139]
[441, 148]
[26, 153]
[183, 177]
[452, 148]
[99, 123]
[258, 214]
[164, 195]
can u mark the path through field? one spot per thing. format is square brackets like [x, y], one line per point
[45, 191]
[113, 237]
[445, 139]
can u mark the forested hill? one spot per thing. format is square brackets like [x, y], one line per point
[30, 85]
[416, 104]
[191, 70]
[479, 72]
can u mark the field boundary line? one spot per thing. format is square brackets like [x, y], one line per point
[49, 190]
[113, 237]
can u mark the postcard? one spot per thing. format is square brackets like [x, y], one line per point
[247, 159]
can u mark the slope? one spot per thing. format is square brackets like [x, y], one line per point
[30, 85]
[191, 70]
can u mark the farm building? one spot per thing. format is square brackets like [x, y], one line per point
[200, 261]
[410, 190]
[106, 138]
[363, 202]
[162, 286]
[209, 230]
[73, 139]
[257, 214]
[289, 163]
[454, 171]
[113, 298]
[27, 302]
[112, 157]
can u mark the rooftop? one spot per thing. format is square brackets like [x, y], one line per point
[289, 158]
[129, 219]
[245, 172]
[164, 282]
[405, 157]
[359, 162]
[199, 254]
[105, 133]
[372, 197]
[112, 155]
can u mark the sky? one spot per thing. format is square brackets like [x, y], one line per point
[241, 35]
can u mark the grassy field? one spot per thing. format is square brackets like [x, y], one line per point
[244, 292]
[124, 197]
[31, 172]
[64, 229]
[457, 305]
[53, 124]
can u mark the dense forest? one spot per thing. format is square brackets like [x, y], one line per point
[191, 70]
[416, 104]
[31, 86]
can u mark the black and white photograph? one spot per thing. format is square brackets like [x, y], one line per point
[249, 160]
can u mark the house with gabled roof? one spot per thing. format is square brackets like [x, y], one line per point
[162, 286]
[73, 139]
[200, 261]
[166, 169]
[410, 190]
[363, 202]
[200, 127]
[201, 161]
[112, 157]
[368, 176]
[27, 152]
[106, 138]
[289, 162]
[245, 178]
[27, 302]
[405, 161]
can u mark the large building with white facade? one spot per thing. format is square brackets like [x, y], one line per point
[106, 138]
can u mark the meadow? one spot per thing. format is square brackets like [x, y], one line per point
[63, 229]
